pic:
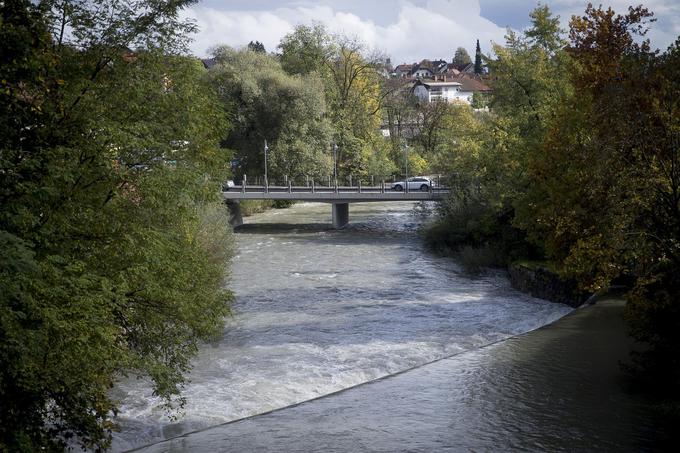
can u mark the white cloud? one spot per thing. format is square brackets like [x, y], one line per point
[235, 28]
[431, 30]
[406, 30]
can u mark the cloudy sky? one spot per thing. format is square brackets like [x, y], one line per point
[406, 30]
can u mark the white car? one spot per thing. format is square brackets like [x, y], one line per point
[415, 183]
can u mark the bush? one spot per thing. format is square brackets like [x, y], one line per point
[475, 259]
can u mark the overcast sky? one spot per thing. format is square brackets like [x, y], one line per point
[405, 30]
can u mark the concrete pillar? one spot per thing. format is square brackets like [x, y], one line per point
[235, 217]
[340, 215]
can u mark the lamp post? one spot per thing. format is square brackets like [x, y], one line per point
[335, 165]
[266, 182]
[406, 167]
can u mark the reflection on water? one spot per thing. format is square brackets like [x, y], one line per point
[320, 310]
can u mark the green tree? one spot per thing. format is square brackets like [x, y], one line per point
[461, 57]
[545, 32]
[478, 59]
[590, 158]
[113, 240]
[608, 179]
[352, 89]
[355, 98]
[305, 50]
[266, 103]
[489, 166]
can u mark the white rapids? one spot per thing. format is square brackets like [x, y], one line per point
[319, 310]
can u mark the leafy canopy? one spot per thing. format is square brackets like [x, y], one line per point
[113, 240]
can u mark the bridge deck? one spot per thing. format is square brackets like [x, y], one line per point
[343, 194]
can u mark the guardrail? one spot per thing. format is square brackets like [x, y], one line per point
[328, 189]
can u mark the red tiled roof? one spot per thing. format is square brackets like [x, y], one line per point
[470, 84]
[403, 67]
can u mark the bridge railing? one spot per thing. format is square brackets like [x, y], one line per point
[313, 188]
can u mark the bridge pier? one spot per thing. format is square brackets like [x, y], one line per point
[340, 215]
[235, 217]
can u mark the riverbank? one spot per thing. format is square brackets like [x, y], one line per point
[558, 388]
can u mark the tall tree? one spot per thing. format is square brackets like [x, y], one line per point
[478, 59]
[355, 98]
[113, 241]
[266, 103]
[545, 32]
[461, 57]
[352, 81]
[606, 182]
[306, 49]
[490, 167]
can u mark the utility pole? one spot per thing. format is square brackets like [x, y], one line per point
[266, 181]
[406, 167]
[335, 165]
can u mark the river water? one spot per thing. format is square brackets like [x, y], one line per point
[320, 310]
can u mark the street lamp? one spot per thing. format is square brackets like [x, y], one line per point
[335, 164]
[266, 182]
[406, 167]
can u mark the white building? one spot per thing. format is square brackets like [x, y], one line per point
[460, 90]
[422, 73]
[437, 91]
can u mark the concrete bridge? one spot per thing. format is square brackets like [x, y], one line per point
[339, 197]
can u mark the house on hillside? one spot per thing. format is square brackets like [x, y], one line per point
[467, 68]
[427, 69]
[430, 91]
[445, 89]
[403, 71]
[439, 66]
[469, 86]
[423, 70]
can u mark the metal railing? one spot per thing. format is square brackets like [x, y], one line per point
[314, 188]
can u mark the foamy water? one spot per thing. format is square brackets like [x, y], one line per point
[320, 310]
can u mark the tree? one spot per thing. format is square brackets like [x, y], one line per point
[113, 239]
[529, 84]
[545, 32]
[489, 166]
[266, 103]
[604, 196]
[305, 50]
[478, 59]
[590, 159]
[355, 96]
[256, 46]
[430, 125]
[461, 57]
[352, 91]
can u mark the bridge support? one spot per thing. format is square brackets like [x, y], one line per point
[235, 217]
[340, 215]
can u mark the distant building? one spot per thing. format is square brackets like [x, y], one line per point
[449, 89]
[422, 72]
[436, 91]
[403, 71]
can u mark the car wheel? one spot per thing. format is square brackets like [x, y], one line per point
[424, 188]
[398, 188]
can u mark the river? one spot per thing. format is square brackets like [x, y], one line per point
[320, 310]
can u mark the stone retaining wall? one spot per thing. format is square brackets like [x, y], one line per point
[542, 283]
